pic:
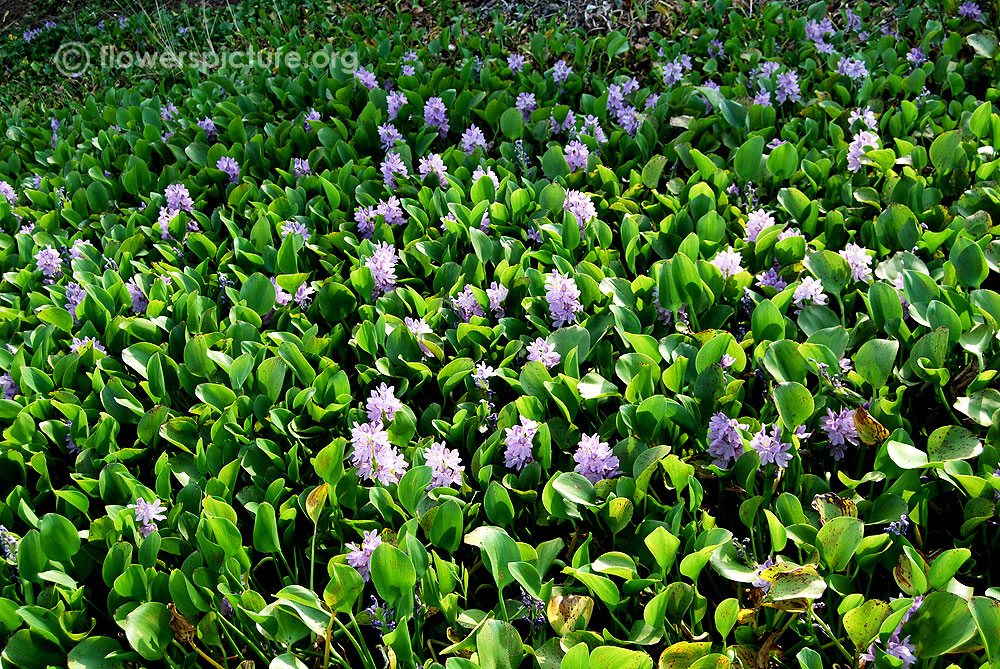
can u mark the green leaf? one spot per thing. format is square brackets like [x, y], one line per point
[725, 615]
[783, 161]
[97, 652]
[499, 646]
[265, 529]
[512, 123]
[748, 157]
[862, 622]
[831, 269]
[554, 163]
[652, 170]
[612, 657]
[986, 613]
[969, 262]
[952, 442]
[767, 323]
[344, 588]
[795, 403]
[148, 630]
[945, 149]
[60, 539]
[392, 572]
[839, 539]
[259, 293]
[875, 360]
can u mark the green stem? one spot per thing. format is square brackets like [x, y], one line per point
[362, 653]
[243, 638]
[836, 642]
[357, 628]
[312, 556]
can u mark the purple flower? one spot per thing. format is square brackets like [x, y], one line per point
[772, 278]
[566, 125]
[230, 167]
[408, 71]
[295, 228]
[167, 112]
[374, 457]
[809, 290]
[7, 193]
[466, 304]
[301, 168]
[79, 344]
[472, 138]
[788, 87]
[866, 116]
[840, 431]
[367, 79]
[178, 198]
[542, 351]
[561, 72]
[313, 115]
[725, 443]
[581, 206]
[139, 300]
[901, 650]
[482, 375]
[763, 98]
[360, 557]
[480, 172]
[434, 163]
[817, 30]
[395, 100]
[862, 141]
[917, 56]
[445, 464]
[382, 264]
[391, 166]
[436, 115]
[383, 404]
[526, 104]
[853, 21]
[9, 389]
[899, 527]
[860, 262]
[411, 56]
[576, 155]
[756, 222]
[391, 211]
[419, 327]
[497, 295]
[759, 582]
[49, 261]
[970, 10]
[208, 125]
[728, 262]
[281, 297]
[148, 513]
[854, 68]
[518, 442]
[770, 448]
[74, 297]
[672, 72]
[592, 127]
[594, 459]
[388, 135]
[563, 297]
[515, 62]
[715, 49]
[651, 101]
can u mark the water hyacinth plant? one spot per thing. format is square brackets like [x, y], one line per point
[493, 343]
